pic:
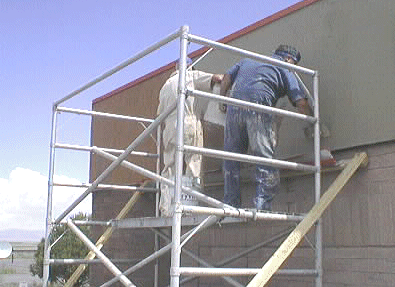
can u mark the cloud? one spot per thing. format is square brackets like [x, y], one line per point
[23, 199]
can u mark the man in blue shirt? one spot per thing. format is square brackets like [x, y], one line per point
[264, 84]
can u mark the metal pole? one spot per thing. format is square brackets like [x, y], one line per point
[117, 162]
[200, 58]
[199, 271]
[48, 223]
[240, 213]
[115, 151]
[199, 260]
[318, 231]
[249, 158]
[157, 198]
[106, 115]
[111, 186]
[110, 150]
[176, 228]
[124, 64]
[245, 252]
[199, 196]
[107, 262]
[252, 55]
[85, 261]
[195, 230]
[162, 251]
[251, 106]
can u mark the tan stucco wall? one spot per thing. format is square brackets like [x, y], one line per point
[351, 43]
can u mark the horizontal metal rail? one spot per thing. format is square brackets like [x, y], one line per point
[241, 213]
[118, 160]
[101, 114]
[252, 55]
[213, 220]
[85, 261]
[198, 260]
[114, 151]
[119, 67]
[109, 186]
[92, 222]
[199, 271]
[150, 222]
[249, 158]
[251, 106]
[199, 196]
[244, 252]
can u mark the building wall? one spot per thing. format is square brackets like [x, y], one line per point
[358, 233]
[15, 270]
[352, 48]
[340, 40]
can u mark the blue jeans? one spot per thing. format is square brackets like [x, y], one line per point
[247, 129]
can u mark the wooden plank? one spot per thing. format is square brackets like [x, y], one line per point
[104, 238]
[287, 247]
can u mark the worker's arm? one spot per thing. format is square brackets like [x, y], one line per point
[226, 83]
[303, 107]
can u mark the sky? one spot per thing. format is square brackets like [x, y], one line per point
[49, 49]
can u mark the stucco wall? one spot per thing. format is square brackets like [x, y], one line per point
[351, 44]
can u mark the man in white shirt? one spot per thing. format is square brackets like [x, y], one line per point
[193, 132]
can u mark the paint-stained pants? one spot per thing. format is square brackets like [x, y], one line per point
[247, 129]
[193, 136]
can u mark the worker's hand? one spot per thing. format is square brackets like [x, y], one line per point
[217, 78]
[309, 131]
[222, 107]
[303, 107]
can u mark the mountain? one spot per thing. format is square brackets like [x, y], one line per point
[19, 235]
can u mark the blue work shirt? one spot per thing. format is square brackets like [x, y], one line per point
[263, 83]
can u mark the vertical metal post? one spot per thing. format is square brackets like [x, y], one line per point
[318, 231]
[157, 198]
[176, 226]
[48, 222]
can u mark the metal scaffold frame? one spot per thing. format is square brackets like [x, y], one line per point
[202, 217]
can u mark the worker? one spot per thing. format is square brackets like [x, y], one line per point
[263, 84]
[193, 132]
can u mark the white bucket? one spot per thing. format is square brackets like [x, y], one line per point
[187, 199]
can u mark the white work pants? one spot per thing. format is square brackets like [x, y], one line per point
[193, 136]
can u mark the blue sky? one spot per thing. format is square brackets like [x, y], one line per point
[50, 48]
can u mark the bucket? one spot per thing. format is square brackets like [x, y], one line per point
[189, 181]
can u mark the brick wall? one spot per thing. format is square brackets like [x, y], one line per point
[358, 230]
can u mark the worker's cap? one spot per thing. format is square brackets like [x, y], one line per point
[286, 50]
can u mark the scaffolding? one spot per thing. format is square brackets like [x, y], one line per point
[202, 216]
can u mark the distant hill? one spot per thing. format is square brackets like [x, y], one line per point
[18, 235]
